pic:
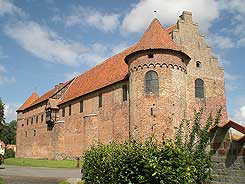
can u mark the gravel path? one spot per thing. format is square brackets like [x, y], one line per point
[36, 175]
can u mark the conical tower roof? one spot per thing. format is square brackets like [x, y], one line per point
[156, 37]
[34, 96]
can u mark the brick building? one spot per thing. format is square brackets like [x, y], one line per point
[146, 89]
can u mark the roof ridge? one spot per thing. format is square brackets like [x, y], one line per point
[68, 88]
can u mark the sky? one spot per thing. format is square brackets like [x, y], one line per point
[46, 42]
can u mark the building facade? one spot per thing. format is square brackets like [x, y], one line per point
[147, 89]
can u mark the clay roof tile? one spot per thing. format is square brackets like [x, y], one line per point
[34, 96]
[155, 37]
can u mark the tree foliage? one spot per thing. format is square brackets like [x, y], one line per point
[195, 140]
[7, 130]
[8, 135]
[184, 160]
[2, 117]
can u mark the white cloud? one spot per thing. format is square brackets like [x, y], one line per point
[242, 110]
[3, 78]
[233, 6]
[10, 111]
[239, 115]
[241, 42]
[69, 76]
[119, 48]
[44, 43]
[2, 55]
[220, 41]
[2, 69]
[236, 9]
[139, 17]
[231, 77]
[231, 83]
[7, 7]
[87, 16]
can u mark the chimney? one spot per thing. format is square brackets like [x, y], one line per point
[57, 86]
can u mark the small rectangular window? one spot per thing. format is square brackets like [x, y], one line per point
[151, 111]
[36, 119]
[100, 100]
[125, 93]
[26, 133]
[31, 120]
[42, 117]
[27, 122]
[81, 106]
[63, 112]
[34, 132]
[150, 55]
[69, 109]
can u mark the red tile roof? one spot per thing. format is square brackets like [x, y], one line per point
[34, 96]
[234, 125]
[110, 71]
[231, 124]
[171, 28]
[155, 37]
[44, 97]
[113, 69]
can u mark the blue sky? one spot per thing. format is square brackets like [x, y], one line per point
[46, 42]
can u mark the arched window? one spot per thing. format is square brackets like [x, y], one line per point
[199, 88]
[151, 82]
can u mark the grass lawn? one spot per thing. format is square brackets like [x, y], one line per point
[41, 163]
[1, 180]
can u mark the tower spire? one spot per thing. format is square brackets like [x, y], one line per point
[155, 14]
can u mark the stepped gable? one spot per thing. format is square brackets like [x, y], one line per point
[34, 96]
[156, 37]
[109, 72]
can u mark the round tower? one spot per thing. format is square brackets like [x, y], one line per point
[157, 84]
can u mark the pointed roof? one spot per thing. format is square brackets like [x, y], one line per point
[112, 70]
[50, 93]
[34, 96]
[155, 37]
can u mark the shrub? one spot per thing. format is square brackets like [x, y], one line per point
[184, 160]
[9, 153]
[134, 162]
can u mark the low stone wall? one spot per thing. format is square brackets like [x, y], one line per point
[228, 158]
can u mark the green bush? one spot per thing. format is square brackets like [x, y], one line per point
[138, 163]
[9, 153]
[183, 161]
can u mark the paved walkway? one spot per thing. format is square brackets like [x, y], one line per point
[36, 175]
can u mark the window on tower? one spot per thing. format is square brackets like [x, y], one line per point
[151, 82]
[199, 88]
[198, 64]
[125, 93]
[100, 100]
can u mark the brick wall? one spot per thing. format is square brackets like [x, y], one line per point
[228, 158]
[74, 133]
[168, 105]
[188, 35]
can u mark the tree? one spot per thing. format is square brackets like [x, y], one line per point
[8, 135]
[2, 117]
